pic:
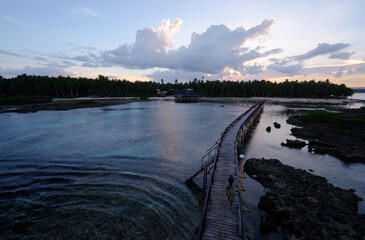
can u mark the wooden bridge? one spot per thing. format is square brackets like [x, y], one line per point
[218, 221]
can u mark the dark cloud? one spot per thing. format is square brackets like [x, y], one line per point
[251, 69]
[341, 55]
[89, 58]
[322, 49]
[294, 65]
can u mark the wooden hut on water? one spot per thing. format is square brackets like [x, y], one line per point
[186, 95]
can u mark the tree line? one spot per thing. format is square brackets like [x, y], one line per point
[65, 87]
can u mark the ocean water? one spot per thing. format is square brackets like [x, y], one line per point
[105, 173]
[360, 96]
[117, 172]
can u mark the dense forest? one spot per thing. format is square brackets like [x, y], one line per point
[102, 86]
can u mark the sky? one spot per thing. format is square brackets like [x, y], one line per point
[150, 40]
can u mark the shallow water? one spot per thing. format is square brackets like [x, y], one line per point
[117, 172]
[267, 145]
[113, 172]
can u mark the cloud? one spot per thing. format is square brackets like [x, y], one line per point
[42, 59]
[209, 52]
[11, 54]
[10, 19]
[149, 50]
[158, 40]
[291, 69]
[341, 55]
[251, 69]
[293, 65]
[322, 49]
[43, 71]
[84, 11]
[339, 73]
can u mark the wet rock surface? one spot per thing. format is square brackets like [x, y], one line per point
[277, 125]
[344, 139]
[294, 144]
[305, 206]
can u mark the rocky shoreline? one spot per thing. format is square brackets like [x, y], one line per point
[344, 138]
[305, 206]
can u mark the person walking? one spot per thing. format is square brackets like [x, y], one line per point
[230, 190]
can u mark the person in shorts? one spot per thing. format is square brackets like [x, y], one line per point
[230, 190]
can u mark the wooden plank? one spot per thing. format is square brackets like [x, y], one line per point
[216, 226]
[220, 237]
[214, 230]
[213, 226]
[222, 220]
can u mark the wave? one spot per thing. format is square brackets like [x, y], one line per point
[117, 203]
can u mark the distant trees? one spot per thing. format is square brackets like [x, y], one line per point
[102, 86]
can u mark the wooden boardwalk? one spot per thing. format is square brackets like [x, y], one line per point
[219, 221]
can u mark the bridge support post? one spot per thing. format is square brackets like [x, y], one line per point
[205, 177]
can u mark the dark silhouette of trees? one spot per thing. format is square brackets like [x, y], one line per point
[102, 86]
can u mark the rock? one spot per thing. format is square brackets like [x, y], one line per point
[312, 199]
[304, 205]
[267, 224]
[268, 129]
[311, 170]
[294, 227]
[294, 144]
[277, 125]
[344, 139]
[267, 202]
[284, 214]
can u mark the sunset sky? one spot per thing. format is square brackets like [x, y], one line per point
[154, 40]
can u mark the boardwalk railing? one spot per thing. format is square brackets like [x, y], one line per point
[242, 132]
[205, 162]
[241, 229]
[258, 107]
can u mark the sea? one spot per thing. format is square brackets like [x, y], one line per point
[357, 95]
[118, 172]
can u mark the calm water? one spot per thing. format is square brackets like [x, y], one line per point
[117, 172]
[358, 96]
